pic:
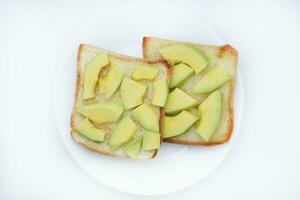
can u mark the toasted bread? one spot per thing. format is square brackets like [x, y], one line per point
[224, 56]
[126, 64]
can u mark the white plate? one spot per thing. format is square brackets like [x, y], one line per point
[176, 167]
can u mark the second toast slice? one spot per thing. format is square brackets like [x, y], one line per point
[225, 57]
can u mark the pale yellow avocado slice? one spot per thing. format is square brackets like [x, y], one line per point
[132, 93]
[210, 115]
[151, 140]
[122, 133]
[144, 72]
[88, 130]
[160, 94]
[91, 74]
[110, 83]
[107, 112]
[178, 101]
[212, 80]
[133, 148]
[180, 73]
[145, 116]
[178, 124]
[187, 54]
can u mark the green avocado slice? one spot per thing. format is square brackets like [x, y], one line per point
[145, 116]
[100, 113]
[144, 72]
[133, 148]
[132, 93]
[210, 115]
[185, 53]
[110, 83]
[87, 129]
[91, 74]
[160, 94]
[180, 73]
[122, 133]
[178, 101]
[212, 80]
[151, 141]
[176, 125]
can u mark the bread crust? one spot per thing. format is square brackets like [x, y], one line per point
[144, 46]
[76, 95]
[224, 50]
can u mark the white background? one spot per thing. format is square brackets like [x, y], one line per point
[264, 161]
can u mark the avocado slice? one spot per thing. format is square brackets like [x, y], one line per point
[178, 124]
[133, 148]
[179, 74]
[91, 74]
[151, 140]
[144, 72]
[132, 93]
[210, 114]
[160, 94]
[107, 112]
[185, 53]
[122, 133]
[145, 116]
[110, 83]
[178, 101]
[212, 80]
[87, 129]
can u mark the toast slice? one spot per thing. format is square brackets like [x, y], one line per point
[127, 64]
[224, 56]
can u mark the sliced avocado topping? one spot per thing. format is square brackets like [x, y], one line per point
[87, 129]
[133, 148]
[110, 83]
[91, 74]
[151, 140]
[146, 116]
[212, 80]
[187, 54]
[178, 101]
[180, 73]
[178, 124]
[210, 114]
[132, 93]
[160, 94]
[144, 72]
[122, 133]
[107, 112]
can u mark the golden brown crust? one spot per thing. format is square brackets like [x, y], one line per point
[78, 79]
[230, 110]
[222, 50]
[227, 49]
[161, 124]
[144, 46]
[76, 96]
[154, 154]
[169, 70]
